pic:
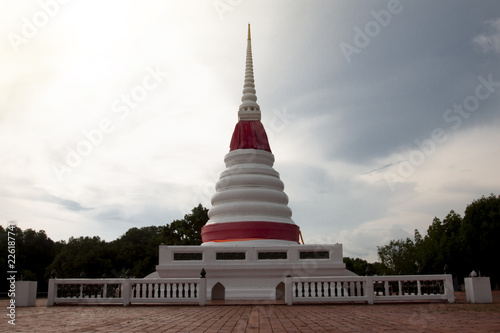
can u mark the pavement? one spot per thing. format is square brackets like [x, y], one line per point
[221, 317]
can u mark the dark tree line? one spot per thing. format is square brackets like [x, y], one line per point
[34, 253]
[456, 245]
[133, 254]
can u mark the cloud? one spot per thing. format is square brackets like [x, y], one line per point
[71, 205]
[489, 42]
[363, 240]
[335, 128]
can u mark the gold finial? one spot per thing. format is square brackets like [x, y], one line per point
[249, 31]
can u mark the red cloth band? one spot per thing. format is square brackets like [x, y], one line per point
[245, 230]
[249, 135]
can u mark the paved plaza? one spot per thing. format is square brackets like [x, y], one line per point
[260, 317]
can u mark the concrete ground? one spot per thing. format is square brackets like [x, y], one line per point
[259, 317]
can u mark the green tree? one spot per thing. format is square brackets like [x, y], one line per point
[35, 251]
[459, 244]
[356, 265]
[87, 255]
[188, 230]
[442, 246]
[481, 233]
[3, 260]
[136, 250]
[400, 257]
[362, 267]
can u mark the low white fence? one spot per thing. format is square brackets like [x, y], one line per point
[369, 289]
[127, 291]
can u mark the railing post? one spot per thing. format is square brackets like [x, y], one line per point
[202, 292]
[288, 290]
[370, 293]
[126, 292]
[52, 292]
[448, 288]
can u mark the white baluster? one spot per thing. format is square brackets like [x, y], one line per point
[169, 290]
[162, 290]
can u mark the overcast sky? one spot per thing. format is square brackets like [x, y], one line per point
[117, 114]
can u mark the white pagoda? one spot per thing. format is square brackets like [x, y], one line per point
[250, 243]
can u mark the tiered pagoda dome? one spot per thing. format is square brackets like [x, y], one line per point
[249, 206]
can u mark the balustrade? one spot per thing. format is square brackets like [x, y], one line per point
[369, 289]
[126, 291]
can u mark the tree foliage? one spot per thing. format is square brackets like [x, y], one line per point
[86, 257]
[134, 253]
[362, 267]
[481, 235]
[400, 257]
[188, 230]
[34, 252]
[456, 245]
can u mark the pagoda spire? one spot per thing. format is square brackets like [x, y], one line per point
[249, 109]
[250, 206]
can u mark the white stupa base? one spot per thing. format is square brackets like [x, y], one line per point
[250, 272]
